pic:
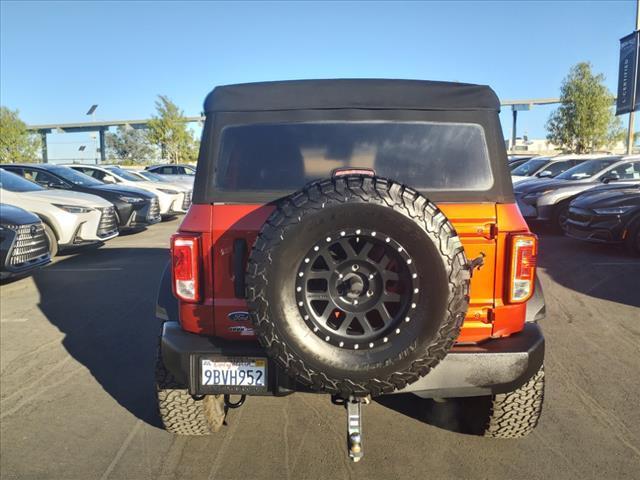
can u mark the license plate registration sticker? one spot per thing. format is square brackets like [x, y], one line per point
[240, 373]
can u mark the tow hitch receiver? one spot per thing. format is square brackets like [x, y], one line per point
[354, 424]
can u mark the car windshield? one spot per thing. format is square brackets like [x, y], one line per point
[126, 175]
[152, 177]
[530, 167]
[587, 169]
[75, 177]
[15, 183]
[284, 156]
[556, 168]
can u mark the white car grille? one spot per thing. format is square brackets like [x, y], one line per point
[108, 222]
[154, 209]
[186, 203]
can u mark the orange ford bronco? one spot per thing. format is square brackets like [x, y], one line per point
[355, 238]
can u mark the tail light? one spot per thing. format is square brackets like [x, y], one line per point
[185, 266]
[524, 251]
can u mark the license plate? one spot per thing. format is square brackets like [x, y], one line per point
[250, 372]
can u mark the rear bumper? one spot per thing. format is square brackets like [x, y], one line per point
[495, 366]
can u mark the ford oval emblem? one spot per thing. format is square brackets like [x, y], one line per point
[238, 316]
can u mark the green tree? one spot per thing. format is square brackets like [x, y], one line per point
[584, 121]
[17, 144]
[129, 145]
[168, 129]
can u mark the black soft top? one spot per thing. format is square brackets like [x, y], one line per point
[350, 94]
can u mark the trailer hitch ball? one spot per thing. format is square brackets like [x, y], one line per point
[356, 444]
[354, 426]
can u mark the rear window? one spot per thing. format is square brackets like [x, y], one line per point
[285, 156]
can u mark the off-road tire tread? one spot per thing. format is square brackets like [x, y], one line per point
[338, 190]
[181, 414]
[516, 414]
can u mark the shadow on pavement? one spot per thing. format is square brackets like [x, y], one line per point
[103, 301]
[607, 272]
[459, 415]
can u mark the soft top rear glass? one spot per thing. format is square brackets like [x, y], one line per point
[285, 156]
[214, 181]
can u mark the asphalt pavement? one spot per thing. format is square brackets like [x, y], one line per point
[77, 346]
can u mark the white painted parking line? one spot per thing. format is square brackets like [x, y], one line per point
[13, 320]
[123, 448]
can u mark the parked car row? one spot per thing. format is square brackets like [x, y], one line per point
[606, 216]
[593, 198]
[47, 208]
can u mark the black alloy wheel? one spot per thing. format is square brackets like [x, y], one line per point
[355, 288]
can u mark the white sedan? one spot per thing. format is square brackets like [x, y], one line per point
[70, 218]
[173, 199]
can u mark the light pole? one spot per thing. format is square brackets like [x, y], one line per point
[92, 112]
[632, 113]
[81, 148]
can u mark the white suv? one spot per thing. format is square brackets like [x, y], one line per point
[70, 218]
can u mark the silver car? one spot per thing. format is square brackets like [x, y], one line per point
[548, 200]
[185, 173]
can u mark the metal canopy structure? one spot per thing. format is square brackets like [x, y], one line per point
[103, 126]
[100, 127]
[524, 105]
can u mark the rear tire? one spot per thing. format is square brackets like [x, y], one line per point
[181, 414]
[516, 414]
[560, 215]
[51, 240]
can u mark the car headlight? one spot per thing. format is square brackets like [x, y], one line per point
[166, 190]
[124, 198]
[534, 195]
[613, 210]
[8, 226]
[73, 208]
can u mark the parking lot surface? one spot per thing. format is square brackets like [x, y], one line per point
[77, 398]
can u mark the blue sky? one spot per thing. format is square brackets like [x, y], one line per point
[58, 58]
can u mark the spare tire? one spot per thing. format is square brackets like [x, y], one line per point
[357, 285]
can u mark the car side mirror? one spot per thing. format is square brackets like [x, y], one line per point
[544, 174]
[109, 179]
[608, 178]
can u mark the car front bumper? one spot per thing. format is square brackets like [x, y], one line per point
[495, 366]
[527, 210]
[145, 214]
[591, 227]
